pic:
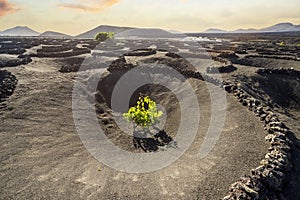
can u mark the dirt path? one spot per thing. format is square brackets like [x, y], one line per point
[42, 156]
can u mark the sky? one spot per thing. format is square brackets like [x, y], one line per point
[76, 16]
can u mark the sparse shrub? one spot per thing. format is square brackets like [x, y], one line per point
[102, 36]
[144, 114]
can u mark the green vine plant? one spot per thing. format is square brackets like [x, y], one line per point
[102, 36]
[144, 114]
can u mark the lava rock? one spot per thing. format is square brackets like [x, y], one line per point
[8, 84]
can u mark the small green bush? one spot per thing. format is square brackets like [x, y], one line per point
[144, 114]
[282, 44]
[104, 36]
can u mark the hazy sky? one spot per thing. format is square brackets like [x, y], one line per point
[76, 16]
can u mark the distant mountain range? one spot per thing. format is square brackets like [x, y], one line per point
[140, 32]
[281, 27]
[19, 31]
[54, 34]
[146, 33]
[26, 31]
[119, 31]
[215, 30]
[127, 32]
[103, 28]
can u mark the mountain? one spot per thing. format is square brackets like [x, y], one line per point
[19, 31]
[102, 28]
[174, 31]
[54, 35]
[215, 30]
[281, 27]
[249, 30]
[146, 33]
[141, 32]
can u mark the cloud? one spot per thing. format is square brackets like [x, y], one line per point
[90, 5]
[6, 7]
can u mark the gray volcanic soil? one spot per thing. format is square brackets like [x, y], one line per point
[42, 156]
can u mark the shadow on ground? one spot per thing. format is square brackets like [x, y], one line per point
[152, 144]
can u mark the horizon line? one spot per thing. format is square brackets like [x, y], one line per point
[133, 27]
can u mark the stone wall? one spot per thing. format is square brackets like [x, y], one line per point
[267, 180]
